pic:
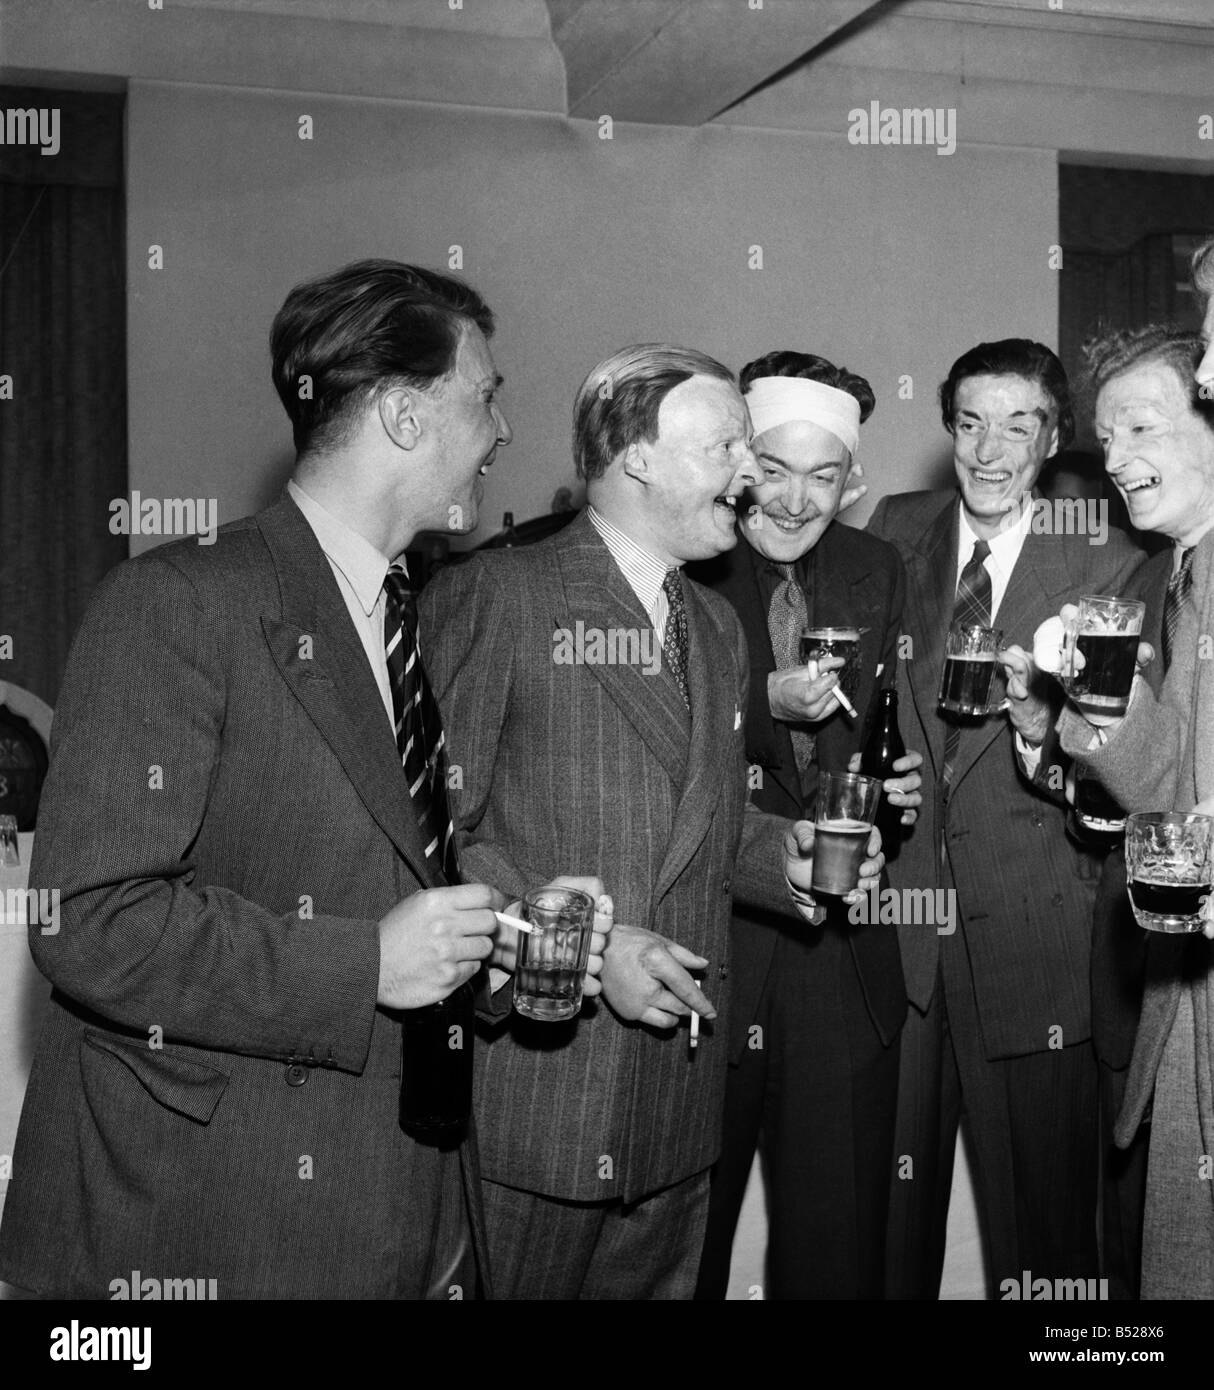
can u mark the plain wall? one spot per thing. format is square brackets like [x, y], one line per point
[892, 260]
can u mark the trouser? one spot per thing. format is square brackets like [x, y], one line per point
[1122, 1191]
[819, 1095]
[546, 1248]
[1033, 1125]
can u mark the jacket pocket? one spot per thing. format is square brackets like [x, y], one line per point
[177, 1082]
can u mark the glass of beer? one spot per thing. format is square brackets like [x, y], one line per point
[820, 642]
[969, 669]
[552, 957]
[847, 804]
[1167, 858]
[1095, 809]
[1099, 654]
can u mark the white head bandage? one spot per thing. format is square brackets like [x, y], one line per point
[775, 400]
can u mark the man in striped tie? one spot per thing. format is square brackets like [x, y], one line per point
[246, 823]
[999, 1021]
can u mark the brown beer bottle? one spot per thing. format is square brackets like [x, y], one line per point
[882, 749]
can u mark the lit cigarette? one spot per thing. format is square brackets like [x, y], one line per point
[843, 700]
[516, 922]
[694, 1040]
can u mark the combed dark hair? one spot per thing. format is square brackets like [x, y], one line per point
[811, 368]
[361, 329]
[1112, 354]
[1013, 357]
[617, 405]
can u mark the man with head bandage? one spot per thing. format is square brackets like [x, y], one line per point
[814, 1031]
[999, 1024]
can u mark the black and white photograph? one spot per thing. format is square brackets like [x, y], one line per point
[605, 609]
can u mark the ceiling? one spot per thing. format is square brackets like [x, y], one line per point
[779, 63]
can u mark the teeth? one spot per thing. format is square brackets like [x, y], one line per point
[991, 477]
[1139, 483]
[726, 501]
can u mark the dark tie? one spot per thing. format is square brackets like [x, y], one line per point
[419, 729]
[674, 648]
[1178, 590]
[787, 618]
[973, 607]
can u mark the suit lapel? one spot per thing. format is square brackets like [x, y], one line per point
[931, 594]
[319, 656]
[598, 596]
[713, 680]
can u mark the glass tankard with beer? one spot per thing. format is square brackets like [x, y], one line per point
[969, 670]
[1098, 656]
[1167, 862]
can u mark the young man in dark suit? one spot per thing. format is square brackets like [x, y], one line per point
[999, 1026]
[255, 886]
[816, 1013]
[595, 699]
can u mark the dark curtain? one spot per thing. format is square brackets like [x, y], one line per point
[63, 445]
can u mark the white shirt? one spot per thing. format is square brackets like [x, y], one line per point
[359, 570]
[644, 572]
[1005, 551]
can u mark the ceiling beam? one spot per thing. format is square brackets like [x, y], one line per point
[681, 62]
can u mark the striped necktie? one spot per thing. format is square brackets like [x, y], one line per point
[674, 646]
[1178, 590]
[787, 618]
[419, 729]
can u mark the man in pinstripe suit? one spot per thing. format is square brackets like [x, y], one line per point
[597, 1135]
[999, 1025]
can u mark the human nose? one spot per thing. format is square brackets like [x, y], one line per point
[747, 471]
[1116, 455]
[504, 433]
[1205, 371]
[989, 445]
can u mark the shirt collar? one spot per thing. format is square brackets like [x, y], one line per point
[644, 571]
[1005, 547]
[363, 566]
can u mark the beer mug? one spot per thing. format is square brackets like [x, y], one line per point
[1167, 869]
[551, 964]
[1098, 656]
[967, 683]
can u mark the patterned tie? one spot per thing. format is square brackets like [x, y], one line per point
[674, 648]
[787, 618]
[419, 728]
[1178, 590]
[973, 606]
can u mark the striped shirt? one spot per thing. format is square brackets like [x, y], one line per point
[643, 571]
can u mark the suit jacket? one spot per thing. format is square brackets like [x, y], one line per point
[594, 768]
[1162, 757]
[1119, 945]
[226, 819]
[858, 580]
[1024, 889]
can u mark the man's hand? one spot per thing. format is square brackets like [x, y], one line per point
[799, 861]
[796, 699]
[505, 944]
[1028, 705]
[1206, 808]
[645, 978]
[432, 941]
[902, 790]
